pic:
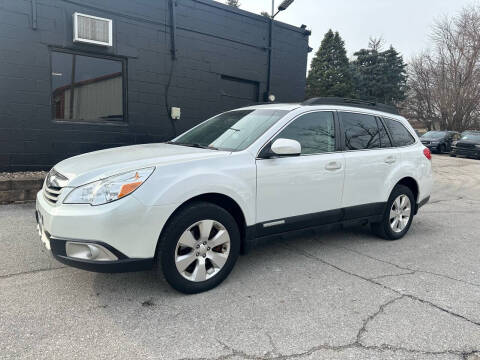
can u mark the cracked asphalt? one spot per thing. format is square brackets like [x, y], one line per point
[341, 294]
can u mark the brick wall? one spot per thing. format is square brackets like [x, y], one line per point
[213, 42]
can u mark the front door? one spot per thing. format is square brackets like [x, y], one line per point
[306, 190]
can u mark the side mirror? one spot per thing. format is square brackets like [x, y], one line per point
[286, 147]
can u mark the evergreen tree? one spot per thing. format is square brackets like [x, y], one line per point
[379, 75]
[234, 3]
[395, 76]
[330, 72]
[264, 13]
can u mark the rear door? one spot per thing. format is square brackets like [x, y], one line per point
[301, 191]
[370, 158]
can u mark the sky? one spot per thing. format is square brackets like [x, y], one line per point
[405, 24]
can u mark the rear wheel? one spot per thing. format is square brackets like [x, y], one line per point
[398, 214]
[199, 248]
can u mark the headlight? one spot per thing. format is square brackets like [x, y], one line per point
[109, 189]
[477, 146]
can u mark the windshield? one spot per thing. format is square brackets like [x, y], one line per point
[471, 136]
[434, 135]
[232, 131]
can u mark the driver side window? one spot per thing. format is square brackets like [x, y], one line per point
[314, 131]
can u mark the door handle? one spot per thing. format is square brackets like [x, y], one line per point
[332, 166]
[390, 160]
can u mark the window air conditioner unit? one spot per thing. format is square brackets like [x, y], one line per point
[92, 29]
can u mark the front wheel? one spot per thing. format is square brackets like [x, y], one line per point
[398, 214]
[443, 149]
[199, 247]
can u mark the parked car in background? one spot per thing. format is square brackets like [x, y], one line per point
[468, 145]
[440, 141]
[192, 204]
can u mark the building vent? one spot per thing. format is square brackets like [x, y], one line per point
[92, 29]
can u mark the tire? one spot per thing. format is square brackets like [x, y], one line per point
[385, 228]
[173, 255]
[453, 155]
[442, 149]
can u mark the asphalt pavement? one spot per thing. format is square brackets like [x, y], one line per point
[342, 294]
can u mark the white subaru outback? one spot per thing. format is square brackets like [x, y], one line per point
[193, 204]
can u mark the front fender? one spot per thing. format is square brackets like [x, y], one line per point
[175, 184]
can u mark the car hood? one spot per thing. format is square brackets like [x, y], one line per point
[98, 165]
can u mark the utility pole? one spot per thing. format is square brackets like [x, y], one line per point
[269, 97]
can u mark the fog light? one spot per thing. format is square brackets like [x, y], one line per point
[88, 251]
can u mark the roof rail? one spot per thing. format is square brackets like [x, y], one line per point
[353, 103]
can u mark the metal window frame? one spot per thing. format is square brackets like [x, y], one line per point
[76, 38]
[123, 60]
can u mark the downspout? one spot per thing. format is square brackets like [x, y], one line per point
[34, 14]
[173, 52]
[173, 32]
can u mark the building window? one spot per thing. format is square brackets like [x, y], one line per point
[86, 88]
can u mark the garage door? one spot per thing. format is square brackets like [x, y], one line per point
[236, 92]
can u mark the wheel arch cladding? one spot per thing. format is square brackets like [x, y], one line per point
[412, 184]
[220, 200]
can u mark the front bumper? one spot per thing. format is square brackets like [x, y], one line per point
[127, 228]
[57, 246]
[433, 148]
[469, 152]
[123, 264]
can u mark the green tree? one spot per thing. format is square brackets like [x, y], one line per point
[234, 3]
[264, 13]
[330, 73]
[396, 76]
[379, 75]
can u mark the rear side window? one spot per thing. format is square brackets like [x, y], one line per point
[400, 135]
[314, 131]
[361, 131]
[384, 138]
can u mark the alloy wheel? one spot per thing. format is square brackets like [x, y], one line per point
[202, 250]
[400, 213]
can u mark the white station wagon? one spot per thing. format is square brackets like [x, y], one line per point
[192, 205]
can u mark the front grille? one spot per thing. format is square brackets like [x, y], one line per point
[52, 193]
[465, 145]
[53, 186]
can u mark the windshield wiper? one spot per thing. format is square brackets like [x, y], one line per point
[195, 145]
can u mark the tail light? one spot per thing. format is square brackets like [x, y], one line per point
[427, 153]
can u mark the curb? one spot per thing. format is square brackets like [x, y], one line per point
[18, 190]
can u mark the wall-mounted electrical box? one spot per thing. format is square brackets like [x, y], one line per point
[175, 113]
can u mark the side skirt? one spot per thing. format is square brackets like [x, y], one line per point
[325, 220]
